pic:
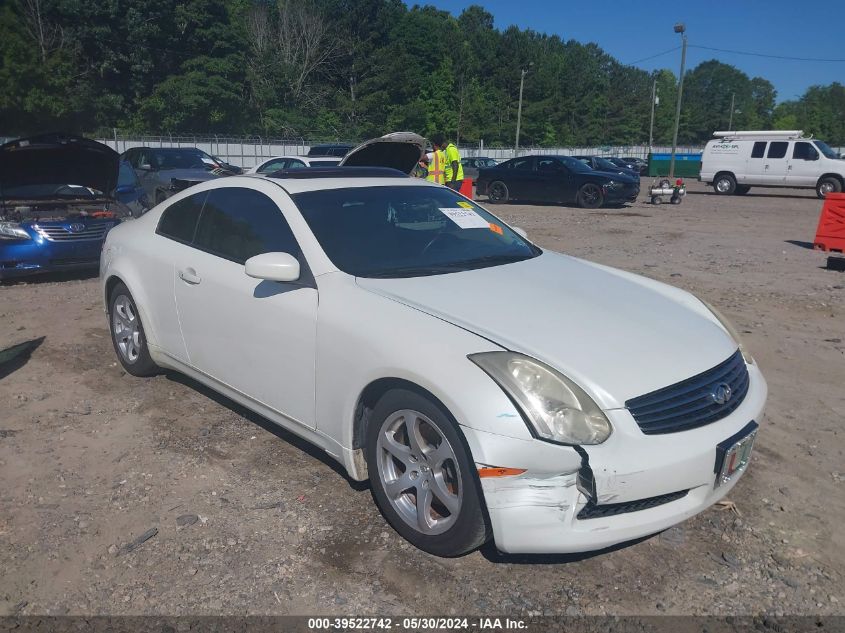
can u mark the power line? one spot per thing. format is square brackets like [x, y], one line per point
[645, 59]
[797, 59]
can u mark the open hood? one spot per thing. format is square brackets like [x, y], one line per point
[30, 167]
[399, 150]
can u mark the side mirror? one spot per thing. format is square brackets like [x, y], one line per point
[813, 156]
[273, 267]
[520, 232]
[125, 189]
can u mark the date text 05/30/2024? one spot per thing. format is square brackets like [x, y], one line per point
[415, 624]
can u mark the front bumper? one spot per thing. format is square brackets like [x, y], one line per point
[537, 512]
[30, 257]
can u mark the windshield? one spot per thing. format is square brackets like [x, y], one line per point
[825, 149]
[401, 231]
[606, 165]
[50, 190]
[182, 159]
[576, 164]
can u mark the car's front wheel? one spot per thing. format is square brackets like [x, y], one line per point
[590, 196]
[421, 475]
[127, 333]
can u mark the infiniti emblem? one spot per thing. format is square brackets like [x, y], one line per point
[721, 393]
[76, 227]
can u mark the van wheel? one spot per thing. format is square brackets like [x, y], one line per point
[724, 184]
[741, 190]
[498, 192]
[827, 185]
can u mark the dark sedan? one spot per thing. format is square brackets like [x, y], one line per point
[555, 179]
[602, 164]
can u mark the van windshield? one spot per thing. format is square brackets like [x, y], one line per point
[825, 149]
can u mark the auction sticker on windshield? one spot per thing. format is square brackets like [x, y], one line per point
[465, 218]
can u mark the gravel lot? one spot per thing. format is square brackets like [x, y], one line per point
[242, 518]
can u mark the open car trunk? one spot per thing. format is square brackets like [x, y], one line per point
[399, 150]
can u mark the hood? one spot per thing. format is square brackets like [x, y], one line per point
[56, 159]
[399, 150]
[623, 176]
[616, 334]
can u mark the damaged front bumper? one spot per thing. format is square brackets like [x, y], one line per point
[578, 499]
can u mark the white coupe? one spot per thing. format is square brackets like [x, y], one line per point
[485, 387]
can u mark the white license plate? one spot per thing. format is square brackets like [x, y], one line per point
[735, 457]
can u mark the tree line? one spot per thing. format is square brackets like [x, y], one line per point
[353, 69]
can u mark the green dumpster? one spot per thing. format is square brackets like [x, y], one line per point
[686, 165]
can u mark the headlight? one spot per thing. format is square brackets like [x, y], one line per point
[731, 330]
[557, 409]
[13, 231]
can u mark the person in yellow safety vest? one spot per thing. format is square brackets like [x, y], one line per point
[454, 169]
[436, 164]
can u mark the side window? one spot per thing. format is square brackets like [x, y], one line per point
[804, 151]
[777, 149]
[759, 149]
[521, 163]
[549, 164]
[296, 164]
[179, 220]
[238, 223]
[273, 165]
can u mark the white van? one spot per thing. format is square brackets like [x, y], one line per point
[734, 161]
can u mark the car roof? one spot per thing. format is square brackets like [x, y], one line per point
[366, 177]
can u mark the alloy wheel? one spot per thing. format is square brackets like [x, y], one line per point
[419, 471]
[125, 326]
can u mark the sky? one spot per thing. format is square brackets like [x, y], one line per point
[632, 30]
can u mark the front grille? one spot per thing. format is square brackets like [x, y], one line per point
[693, 402]
[87, 233]
[594, 511]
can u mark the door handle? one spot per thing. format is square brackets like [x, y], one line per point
[189, 275]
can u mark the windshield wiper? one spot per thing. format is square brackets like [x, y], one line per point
[492, 260]
[413, 271]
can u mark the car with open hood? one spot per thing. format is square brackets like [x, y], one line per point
[58, 200]
[486, 387]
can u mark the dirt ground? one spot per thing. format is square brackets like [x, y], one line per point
[250, 520]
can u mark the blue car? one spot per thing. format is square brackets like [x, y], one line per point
[130, 192]
[57, 202]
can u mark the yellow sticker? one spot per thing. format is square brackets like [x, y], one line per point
[465, 205]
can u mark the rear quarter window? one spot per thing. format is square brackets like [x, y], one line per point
[179, 220]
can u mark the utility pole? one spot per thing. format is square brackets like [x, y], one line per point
[519, 109]
[731, 119]
[679, 28]
[654, 101]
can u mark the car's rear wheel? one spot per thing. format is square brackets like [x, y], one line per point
[590, 196]
[827, 185]
[498, 192]
[421, 475]
[127, 333]
[724, 184]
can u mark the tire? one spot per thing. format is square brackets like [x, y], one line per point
[590, 196]
[724, 184]
[741, 190]
[127, 334]
[498, 192]
[827, 185]
[675, 199]
[436, 467]
[656, 200]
